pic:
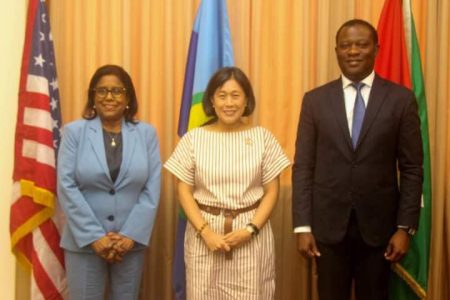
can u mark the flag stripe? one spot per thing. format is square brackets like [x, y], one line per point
[197, 116]
[421, 241]
[34, 100]
[40, 152]
[407, 19]
[37, 84]
[40, 118]
[42, 136]
[52, 237]
[188, 85]
[392, 62]
[37, 175]
[35, 291]
[41, 275]
[53, 262]
[197, 98]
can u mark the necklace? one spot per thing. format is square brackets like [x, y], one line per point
[112, 136]
[113, 141]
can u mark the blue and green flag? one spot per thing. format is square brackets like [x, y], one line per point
[210, 48]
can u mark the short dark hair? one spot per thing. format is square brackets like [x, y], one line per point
[354, 22]
[89, 111]
[218, 79]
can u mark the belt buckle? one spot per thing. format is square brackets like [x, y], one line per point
[226, 213]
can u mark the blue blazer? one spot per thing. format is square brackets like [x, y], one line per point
[92, 203]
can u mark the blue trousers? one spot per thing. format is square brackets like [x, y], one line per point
[87, 274]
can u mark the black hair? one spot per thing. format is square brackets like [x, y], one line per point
[218, 79]
[354, 22]
[129, 114]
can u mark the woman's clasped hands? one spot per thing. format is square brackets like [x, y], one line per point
[218, 242]
[112, 247]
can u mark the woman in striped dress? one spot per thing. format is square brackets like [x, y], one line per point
[228, 185]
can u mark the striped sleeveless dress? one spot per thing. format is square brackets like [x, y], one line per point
[229, 170]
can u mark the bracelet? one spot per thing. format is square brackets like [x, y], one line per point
[199, 231]
[254, 228]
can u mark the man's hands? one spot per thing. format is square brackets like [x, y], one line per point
[306, 245]
[398, 246]
[396, 249]
[112, 247]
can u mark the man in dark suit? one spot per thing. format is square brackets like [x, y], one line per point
[357, 176]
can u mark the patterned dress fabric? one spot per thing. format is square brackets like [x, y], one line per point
[229, 170]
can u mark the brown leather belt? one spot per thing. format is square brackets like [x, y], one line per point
[229, 215]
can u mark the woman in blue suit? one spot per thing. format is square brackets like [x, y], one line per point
[108, 185]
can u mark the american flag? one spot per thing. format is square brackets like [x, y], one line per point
[35, 218]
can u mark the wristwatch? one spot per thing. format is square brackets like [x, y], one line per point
[409, 230]
[252, 228]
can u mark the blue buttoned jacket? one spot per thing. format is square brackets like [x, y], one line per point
[92, 203]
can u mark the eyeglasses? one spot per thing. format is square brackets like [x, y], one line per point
[116, 92]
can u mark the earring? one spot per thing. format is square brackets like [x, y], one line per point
[127, 107]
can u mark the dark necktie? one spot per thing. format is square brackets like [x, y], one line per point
[358, 113]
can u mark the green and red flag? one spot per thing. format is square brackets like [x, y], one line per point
[399, 60]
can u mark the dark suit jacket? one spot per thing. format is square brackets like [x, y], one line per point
[381, 179]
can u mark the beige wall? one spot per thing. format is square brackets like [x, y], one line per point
[12, 20]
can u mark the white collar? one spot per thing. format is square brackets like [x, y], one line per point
[368, 81]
